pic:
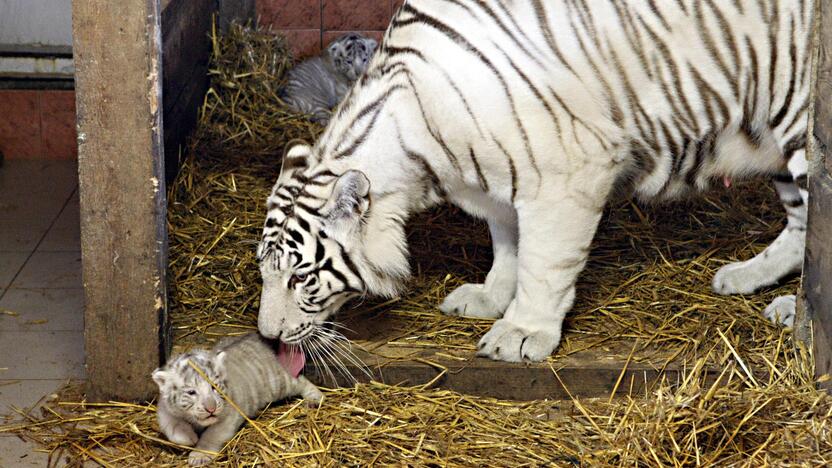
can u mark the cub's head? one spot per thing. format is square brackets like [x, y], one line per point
[324, 242]
[189, 395]
[351, 54]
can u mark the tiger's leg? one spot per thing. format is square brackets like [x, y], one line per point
[490, 299]
[782, 257]
[554, 240]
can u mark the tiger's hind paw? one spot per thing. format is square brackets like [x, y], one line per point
[782, 310]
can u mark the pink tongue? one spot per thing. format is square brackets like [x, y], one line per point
[291, 358]
[727, 181]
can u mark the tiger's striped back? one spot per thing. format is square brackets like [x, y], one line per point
[529, 114]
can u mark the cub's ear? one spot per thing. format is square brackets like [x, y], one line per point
[348, 204]
[219, 363]
[334, 49]
[296, 158]
[161, 377]
[372, 44]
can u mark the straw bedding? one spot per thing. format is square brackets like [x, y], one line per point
[645, 290]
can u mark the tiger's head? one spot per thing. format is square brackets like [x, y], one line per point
[351, 54]
[322, 245]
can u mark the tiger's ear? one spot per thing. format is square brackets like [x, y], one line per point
[347, 205]
[219, 363]
[372, 44]
[162, 377]
[296, 158]
[334, 49]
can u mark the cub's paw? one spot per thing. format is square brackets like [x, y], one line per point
[184, 435]
[313, 398]
[471, 300]
[739, 278]
[200, 458]
[782, 310]
[508, 342]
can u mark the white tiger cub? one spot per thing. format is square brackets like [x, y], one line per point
[318, 84]
[248, 369]
[529, 114]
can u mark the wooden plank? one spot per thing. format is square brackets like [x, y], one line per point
[118, 56]
[817, 271]
[582, 374]
[586, 374]
[235, 10]
[186, 29]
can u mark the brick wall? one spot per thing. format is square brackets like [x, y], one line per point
[37, 124]
[40, 124]
[310, 25]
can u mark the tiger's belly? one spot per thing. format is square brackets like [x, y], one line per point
[713, 158]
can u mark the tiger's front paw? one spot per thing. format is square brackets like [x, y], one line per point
[509, 342]
[199, 458]
[739, 278]
[471, 300]
[782, 310]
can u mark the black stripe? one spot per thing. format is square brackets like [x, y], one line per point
[480, 176]
[781, 114]
[460, 40]
[376, 106]
[512, 169]
[319, 251]
[295, 235]
[793, 203]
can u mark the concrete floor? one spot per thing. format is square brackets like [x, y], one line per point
[41, 295]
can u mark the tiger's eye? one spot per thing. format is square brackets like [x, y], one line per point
[296, 278]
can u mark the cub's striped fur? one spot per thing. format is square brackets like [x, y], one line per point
[317, 85]
[529, 114]
[247, 369]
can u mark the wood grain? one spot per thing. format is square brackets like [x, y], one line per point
[118, 57]
[588, 374]
[817, 272]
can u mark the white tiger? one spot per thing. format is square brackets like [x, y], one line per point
[529, 114]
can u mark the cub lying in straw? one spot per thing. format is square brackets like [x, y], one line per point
[249, 372]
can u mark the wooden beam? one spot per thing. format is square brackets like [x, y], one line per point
[186, 51]
[817, 270]
[118, 59]
[586, 374]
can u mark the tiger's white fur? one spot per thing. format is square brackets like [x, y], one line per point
[529, 114]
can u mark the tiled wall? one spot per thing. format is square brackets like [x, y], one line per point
[310, 25]
[37, 124]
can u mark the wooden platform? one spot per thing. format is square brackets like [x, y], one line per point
[587, 374]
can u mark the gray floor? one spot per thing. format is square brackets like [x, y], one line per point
[41, 296]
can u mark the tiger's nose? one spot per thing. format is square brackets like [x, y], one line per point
[210, 406]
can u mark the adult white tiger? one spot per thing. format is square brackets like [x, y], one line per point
[529, 114]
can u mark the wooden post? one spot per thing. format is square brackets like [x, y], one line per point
[240, 10]
[117, 48]
[817, 270]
